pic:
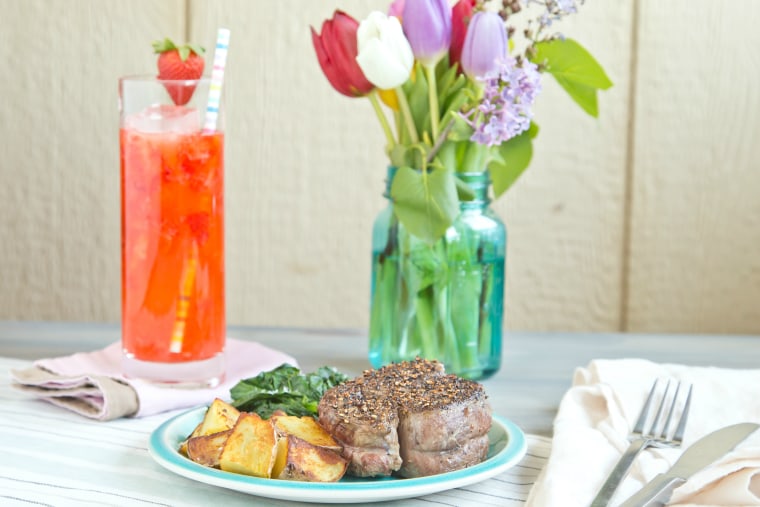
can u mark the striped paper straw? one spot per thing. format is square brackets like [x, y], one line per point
[191, 264]
[183, 306]
[217, 77]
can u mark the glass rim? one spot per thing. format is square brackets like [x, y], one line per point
[152, 78]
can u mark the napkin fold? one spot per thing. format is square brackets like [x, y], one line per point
[91, 383]
[597, 413]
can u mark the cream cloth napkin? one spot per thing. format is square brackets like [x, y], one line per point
[91, 383]
[597, 413]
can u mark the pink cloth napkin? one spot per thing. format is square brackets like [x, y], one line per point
[91, 383]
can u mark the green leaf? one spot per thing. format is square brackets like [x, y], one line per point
[450, 89]
[447, 156]
[475, 157]
[452, 104]
[425, 203]
[416, 91]
[464, 191]
[399, 155]
[575, 70]
[584, 96]
[511, 159]
[445, 80]
[426, 266]
[461, 131]
[184, 52]
[284, 388]
[567, 58]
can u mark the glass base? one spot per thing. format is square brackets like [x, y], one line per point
[191, 375]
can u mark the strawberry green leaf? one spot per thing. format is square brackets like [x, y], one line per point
[195, 48]
[161, 46]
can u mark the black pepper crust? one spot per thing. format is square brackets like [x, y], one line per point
[410, 386]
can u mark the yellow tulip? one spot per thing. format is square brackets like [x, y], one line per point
[389, 98]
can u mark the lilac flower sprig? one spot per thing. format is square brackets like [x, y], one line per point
[504, 112]
[535, 30]
[554, 10]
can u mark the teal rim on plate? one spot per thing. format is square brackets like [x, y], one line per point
[507, 446]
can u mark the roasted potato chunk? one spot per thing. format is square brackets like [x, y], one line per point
[196, 432]
[251, 447]
[206, 449]
[305, 428]
[306, 451]
[220, 416]
[300, 460]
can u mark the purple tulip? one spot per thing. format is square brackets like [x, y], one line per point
[485, 44]
[427, 25]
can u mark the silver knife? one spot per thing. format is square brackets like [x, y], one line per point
[702, 453]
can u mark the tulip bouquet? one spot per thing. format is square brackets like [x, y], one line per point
[458, 92]
[453, 89]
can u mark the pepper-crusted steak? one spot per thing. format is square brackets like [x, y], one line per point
[410, 418]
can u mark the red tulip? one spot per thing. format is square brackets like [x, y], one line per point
[461, 14]
[336, 49]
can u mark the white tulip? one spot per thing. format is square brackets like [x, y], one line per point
[385, 56]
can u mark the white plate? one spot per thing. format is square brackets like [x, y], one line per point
[507, 447]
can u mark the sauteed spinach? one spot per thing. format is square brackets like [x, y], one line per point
[285, 388]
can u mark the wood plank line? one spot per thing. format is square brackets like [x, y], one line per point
[630, 164]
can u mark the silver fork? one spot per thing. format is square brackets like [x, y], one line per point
[657, 434]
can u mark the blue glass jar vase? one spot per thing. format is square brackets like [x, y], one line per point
[443, 301]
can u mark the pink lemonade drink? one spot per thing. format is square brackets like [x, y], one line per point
[172, 221]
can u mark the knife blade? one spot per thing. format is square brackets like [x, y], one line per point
[699, 455]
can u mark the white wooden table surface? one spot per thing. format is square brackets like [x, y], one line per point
[46, 456]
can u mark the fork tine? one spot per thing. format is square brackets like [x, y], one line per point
[654, 429]
[639, 427]
[678, 436]
[666, 429]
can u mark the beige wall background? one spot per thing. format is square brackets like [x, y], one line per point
[647, 219]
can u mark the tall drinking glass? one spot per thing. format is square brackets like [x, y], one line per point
[172, 233]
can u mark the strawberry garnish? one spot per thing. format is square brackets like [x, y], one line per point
[179, 63]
